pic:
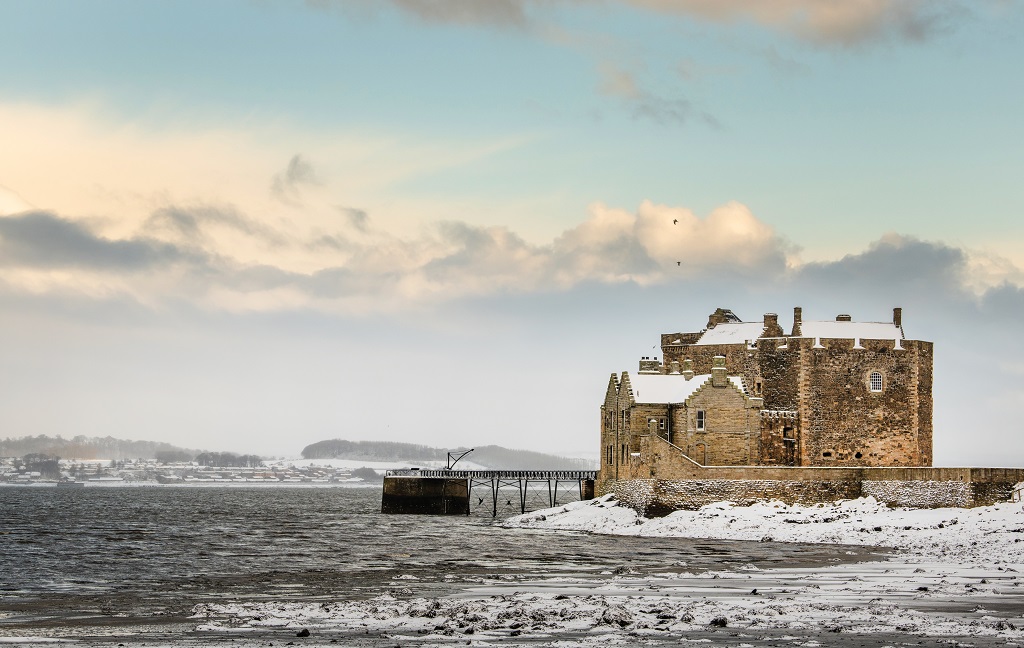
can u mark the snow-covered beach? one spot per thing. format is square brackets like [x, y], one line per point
[981, 537]
[953, 575]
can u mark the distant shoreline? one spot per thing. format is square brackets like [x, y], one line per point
[221, 484]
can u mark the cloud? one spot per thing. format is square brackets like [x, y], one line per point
[194, 224]
[618, 82]
[849, 22]
[287, 185]
[357, 218]
[445, 261]
[822, 21]
[44, 240]
[894, 264]
[499, 13]
[221, 259]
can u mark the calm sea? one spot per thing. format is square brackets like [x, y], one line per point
[146, 555]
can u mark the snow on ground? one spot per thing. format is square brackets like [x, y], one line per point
[584, 619]
[981, 537]
[956, 573]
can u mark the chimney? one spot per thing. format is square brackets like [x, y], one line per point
[897, 316]
[674, 367]
[798, 315]
[718, 377]
[688, 369]
[771, 325]
[843, 318]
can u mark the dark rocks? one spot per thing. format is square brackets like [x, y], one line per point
[616, 616]
[719, 622]
[302, 633]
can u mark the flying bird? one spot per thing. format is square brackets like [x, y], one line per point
[675, 220]
[679, 263]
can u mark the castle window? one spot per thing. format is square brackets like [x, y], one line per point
[827, 454]
[876, 381]
[609, 455]
[700, 420]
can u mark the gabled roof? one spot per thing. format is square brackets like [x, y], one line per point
[661, 389]
[851, 330]
[732, 333]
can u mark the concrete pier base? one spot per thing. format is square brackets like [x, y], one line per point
[425, 495]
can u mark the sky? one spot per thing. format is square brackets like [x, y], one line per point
[250, 225]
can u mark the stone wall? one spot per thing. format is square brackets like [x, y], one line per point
[671, 495]
[637, 494]
[920, 494]
[729, 437]
[663, 479]
[844, 422]
[744, 485]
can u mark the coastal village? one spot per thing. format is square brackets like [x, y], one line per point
[143, 471]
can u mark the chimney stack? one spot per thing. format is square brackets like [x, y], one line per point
[843, 318]
[688, 369]
[718, 376]
[798, 314]
[897, 316]
[771, 325]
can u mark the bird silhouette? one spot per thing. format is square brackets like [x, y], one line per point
[675, 221]
[679, 263]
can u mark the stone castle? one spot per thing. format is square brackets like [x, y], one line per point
[744, 411]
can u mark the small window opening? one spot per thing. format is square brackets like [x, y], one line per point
[876, 381]
[826, 454]
[700, 420]
[858, 455]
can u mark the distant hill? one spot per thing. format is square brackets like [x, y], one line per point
[492, 456]
[83, 447]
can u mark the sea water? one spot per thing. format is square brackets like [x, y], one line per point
[145, 556]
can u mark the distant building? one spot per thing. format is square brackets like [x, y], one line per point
[829, 393]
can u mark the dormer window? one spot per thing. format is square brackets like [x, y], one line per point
[875, 381]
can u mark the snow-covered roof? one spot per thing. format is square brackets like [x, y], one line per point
[851, 330]
[732, 333]
[670, 388]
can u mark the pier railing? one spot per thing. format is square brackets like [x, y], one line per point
[565, 475]
[531, 488]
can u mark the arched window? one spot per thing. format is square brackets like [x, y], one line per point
[876, 381]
